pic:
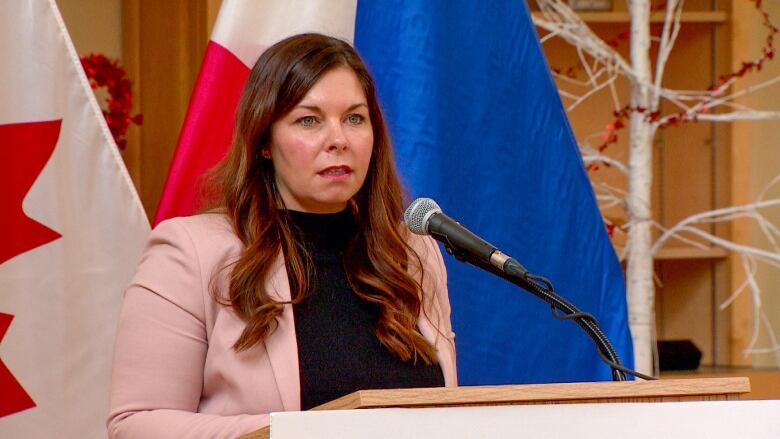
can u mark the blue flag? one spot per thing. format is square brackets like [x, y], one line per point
[479, 127]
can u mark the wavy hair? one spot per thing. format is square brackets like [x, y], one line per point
[377, 260]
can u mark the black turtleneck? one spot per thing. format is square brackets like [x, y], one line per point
[338, 351]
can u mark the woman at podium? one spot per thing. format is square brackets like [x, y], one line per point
[299, 284]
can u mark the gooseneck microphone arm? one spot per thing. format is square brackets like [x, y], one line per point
[424, 217]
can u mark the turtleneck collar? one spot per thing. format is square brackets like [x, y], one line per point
[323, 231]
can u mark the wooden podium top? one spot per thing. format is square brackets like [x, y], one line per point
[702, 389]
[625, 391]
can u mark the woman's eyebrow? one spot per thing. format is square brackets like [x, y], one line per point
[316, 108]
[356, 106]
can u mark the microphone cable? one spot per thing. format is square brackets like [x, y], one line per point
[472, 249]
[586, 321]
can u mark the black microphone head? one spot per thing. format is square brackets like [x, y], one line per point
[419, 213]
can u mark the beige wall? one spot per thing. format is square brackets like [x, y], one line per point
[94, 25]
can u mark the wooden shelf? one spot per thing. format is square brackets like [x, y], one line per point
[669, 254]
[684, 253]
[657, 17]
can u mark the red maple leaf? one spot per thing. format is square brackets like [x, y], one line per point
[14, 399]
[24, 150]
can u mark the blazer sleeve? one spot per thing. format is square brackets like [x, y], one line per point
[161, 347]
[440, 291]
[442, 299]
[436, 301]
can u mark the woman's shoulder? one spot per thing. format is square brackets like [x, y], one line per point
[203, 223]
[423, 245]
[209, 235]
[204, 228]
[183, 253]
[425, 250]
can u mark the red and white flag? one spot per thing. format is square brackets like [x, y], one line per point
[71, 230]
[242, 31]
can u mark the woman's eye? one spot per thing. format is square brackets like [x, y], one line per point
[354, 119]
[307, 121]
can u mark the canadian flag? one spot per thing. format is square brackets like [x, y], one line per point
[71, 230]
[242, 31]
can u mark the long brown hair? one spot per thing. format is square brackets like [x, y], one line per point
[377, 260]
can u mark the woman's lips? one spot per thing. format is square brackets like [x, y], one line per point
[335, 172]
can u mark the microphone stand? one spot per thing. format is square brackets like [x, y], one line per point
[543, 289]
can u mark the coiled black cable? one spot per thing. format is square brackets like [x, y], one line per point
[543, 288]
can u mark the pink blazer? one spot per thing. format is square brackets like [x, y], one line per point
[175, 373]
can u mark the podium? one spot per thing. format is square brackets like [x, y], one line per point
[390, 404]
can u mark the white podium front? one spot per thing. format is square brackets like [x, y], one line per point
[543, 396]
[668, 420]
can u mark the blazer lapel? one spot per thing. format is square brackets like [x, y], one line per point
[282, 345]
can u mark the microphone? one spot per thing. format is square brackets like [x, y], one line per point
[424, 217]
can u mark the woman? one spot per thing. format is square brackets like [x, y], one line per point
[300, 285]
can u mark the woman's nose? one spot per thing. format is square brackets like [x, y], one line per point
[337, 139]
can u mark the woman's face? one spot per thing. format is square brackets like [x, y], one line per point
[322, 148]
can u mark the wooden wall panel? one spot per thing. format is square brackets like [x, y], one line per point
[691, 172]
[688, 294]
[164, 43]
[756, 158]
[131, 48]
[94, 25]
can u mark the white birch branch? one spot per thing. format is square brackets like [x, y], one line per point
[668, 36]
[700, 217]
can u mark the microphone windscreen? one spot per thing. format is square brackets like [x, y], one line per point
[418, 213]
